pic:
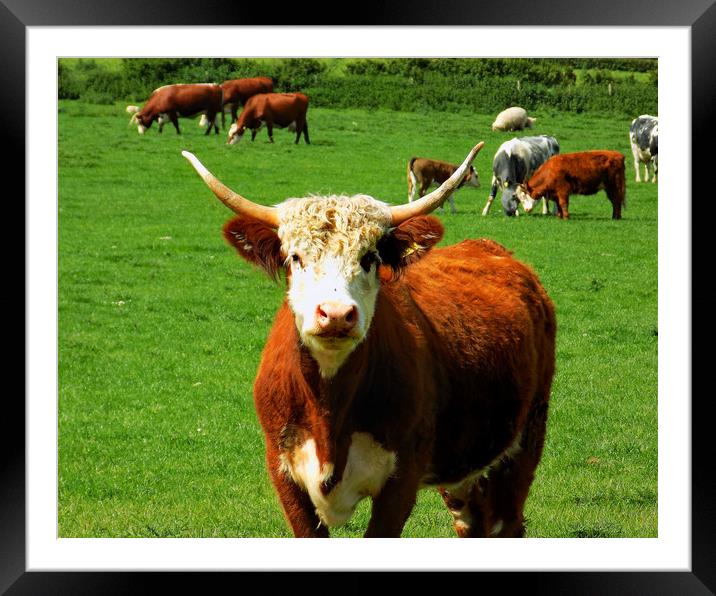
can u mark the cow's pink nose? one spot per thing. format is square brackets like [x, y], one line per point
[336, 317]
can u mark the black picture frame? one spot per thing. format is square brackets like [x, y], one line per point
[17, 15]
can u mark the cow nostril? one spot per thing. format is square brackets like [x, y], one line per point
[351, 315]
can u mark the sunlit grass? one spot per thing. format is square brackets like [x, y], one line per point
[161, 325]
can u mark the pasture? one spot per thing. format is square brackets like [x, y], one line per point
[161, 324]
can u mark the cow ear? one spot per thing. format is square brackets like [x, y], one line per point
[256, 242]
[409, 242]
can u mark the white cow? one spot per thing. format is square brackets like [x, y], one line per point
[514, 118]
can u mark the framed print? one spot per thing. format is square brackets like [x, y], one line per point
[56, 541]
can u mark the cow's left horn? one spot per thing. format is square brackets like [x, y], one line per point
[432, 201]
[233, 201]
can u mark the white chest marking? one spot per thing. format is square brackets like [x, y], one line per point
[368, 466]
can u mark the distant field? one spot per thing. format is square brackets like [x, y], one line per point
[161, 325]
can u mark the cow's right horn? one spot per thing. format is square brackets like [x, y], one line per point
[233, 201]
[432, 201]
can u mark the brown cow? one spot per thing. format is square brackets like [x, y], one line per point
[171, 101]
[238, 91]
[422, 172]
[391, 367]
[275, 109]
[583, 173]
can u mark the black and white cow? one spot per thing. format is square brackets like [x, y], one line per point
[644, 139]
[514, 162]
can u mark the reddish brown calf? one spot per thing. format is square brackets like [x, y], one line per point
[583, 173]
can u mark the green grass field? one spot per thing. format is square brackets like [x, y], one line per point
[161, 325]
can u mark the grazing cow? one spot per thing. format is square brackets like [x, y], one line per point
[583, 173]
[422, 172]
[391, 367]
[167, 103]
[644, 140]
[273, 109]
[514, 162]
[514, 118]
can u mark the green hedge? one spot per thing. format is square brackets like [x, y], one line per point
[485, 85]
[480, 96]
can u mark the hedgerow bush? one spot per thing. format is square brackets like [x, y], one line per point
[406, 84]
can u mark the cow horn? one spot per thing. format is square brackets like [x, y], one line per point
[432, 201]
[233, 201]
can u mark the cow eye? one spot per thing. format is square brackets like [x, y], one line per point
[367, 260]
[296, 259]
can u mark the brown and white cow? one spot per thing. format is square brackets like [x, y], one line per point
[167, 103]
[274, 109]
[422, 172]
[392, 365]
[582, 173]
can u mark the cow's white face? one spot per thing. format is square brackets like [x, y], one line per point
[526, 200]
[235, 134]
[330, 243]
[141, 129]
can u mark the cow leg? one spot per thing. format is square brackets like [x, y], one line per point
[305, 133]
[254, 131]
[493, 194]
[216, 124]
[486, 208]
[451, 198]
[424, 185]
[655, 164]
[616, 199]
[211, 117]
[563, 206]
[649, 166]
[269, 128]
[297, 506]
[175, 121]
[637, 162]
[508, 484]
[545, 207]
[392, 507]
[468, 507]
